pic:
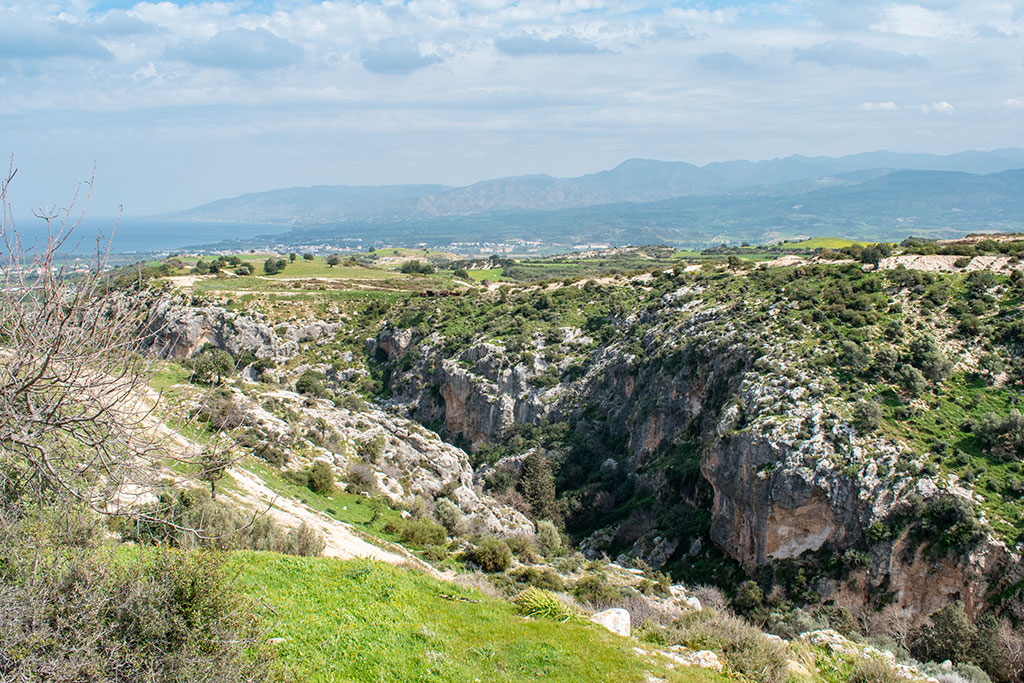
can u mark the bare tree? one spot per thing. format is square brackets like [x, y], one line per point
[75, 423]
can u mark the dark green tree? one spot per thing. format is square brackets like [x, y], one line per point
[537, 484]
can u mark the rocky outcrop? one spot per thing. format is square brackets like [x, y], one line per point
[174, 329]
[408, 464]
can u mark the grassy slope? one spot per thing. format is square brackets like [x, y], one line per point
[365, 621]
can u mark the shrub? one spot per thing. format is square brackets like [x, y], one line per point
[873, 670]
[595, 590]
[421, 532]
[165, 616]
[321, 478]
[1002, 435]
[948, 635]
[449, 515]
[370, 449]
[491, 555]
[789, 625]
[546, 578]
[221, 412]
[311, 383]
[542, 604]
[912, 380]
[362, 478]
[274, 265]
[745, 649]
[549, 539]
[171, 520]
[522, 546]
[416, 266]
[749, 597]
[867, 416]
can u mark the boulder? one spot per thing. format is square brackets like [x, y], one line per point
[615, 620]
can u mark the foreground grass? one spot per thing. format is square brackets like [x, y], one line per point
[365, 621]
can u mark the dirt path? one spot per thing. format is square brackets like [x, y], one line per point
[342, 539]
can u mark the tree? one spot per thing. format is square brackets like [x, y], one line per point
[949, 635]
[75, 426]
[867, 416]
[292, 256]
[213, 465]
[307, 256]
[274, 265]
[537, 484]
[333, 260]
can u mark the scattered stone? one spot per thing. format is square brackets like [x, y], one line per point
[684, 656]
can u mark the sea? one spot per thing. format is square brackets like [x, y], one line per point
[144, 236]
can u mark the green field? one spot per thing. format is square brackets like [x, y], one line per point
[486, 274]
[825, 243]
[366, 621]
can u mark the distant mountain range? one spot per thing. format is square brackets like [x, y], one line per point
[880, 195]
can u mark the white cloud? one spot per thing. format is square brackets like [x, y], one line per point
[941, 107]
[433, 90]
[878, 106]
[914, 20]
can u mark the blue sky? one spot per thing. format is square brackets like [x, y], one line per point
[182, 103]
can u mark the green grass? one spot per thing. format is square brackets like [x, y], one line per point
[167, 375]
[366, 621]
[353, 509]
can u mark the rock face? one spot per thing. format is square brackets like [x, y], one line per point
[174, 329]
[615, 620]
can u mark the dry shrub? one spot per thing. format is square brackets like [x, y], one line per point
[710, 597]
[873, 670]
[745, 649]
[76, 614]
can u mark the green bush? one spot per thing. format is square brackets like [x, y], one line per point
[550, 539]
[867, 416]
[491, 555]
[595, 590]
[370, 449]
[949, 634]
[421, 532]
[311, 383]
[192, 519]
[449, 515]
[321, 478]
[546, 578]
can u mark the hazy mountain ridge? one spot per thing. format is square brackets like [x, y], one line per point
[888, 207]
[634, 180]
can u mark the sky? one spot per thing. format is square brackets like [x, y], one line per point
[180, 103]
